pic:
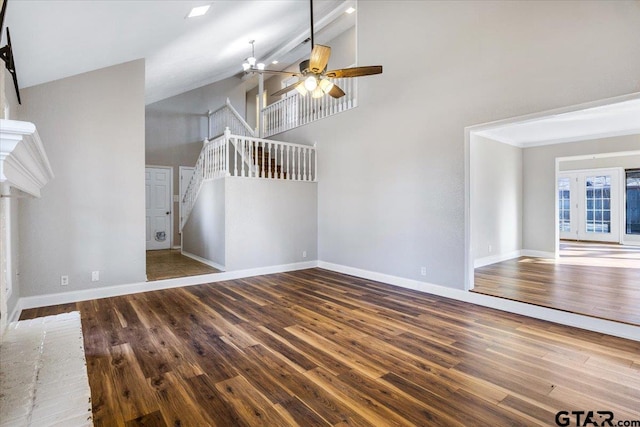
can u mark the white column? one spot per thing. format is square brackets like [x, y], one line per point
[260, 105]
[5, 257]
[225, 149]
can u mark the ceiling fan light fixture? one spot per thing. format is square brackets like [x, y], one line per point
[326, 85]
[260, 66]
[252, 61]
[310, 83]
[246, 66]
[317, 93]
[301, 90]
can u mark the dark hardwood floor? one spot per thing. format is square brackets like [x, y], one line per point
[596, 279]
[171, 264]
[317, 348]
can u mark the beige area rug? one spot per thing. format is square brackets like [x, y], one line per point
[43, 373]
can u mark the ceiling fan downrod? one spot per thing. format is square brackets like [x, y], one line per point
[311, 17]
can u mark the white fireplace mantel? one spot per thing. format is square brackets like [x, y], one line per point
[23, 160]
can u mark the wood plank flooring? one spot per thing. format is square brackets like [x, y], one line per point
[170, 264]
[317, 348]
[595, 279]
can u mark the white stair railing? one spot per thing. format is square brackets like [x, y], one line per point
[227, 117]
[273, 159]
[297, 110]
[212, 163]
[250, 157]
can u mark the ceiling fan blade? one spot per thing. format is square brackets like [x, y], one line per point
[284, 73]
[336, 92]
[355, 71]
[319, 58]
[287, 89]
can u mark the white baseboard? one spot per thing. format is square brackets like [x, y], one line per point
[15, 314]
[537, 254]
[134, 288]
[204, 261]
[176, 247]
[570, 319]
[481, 262]
[608, 327]
[493, 259]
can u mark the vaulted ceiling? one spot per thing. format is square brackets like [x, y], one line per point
[53, 39]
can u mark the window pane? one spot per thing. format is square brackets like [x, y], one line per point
[598, 191]
[564, 204]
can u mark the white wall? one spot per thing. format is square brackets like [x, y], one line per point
[204, 233]
[270, 222]
[242, 223]
[496, 198]
[539, 184]
[391, 172]
[176, 126]
[91, 215]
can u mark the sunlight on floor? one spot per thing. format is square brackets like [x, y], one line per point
[594, 255]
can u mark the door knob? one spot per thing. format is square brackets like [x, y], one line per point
[168, 213]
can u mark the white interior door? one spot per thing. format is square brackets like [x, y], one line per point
[185, 177]
[158, 203]
[589, 205]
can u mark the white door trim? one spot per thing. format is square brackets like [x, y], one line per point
[170, 168]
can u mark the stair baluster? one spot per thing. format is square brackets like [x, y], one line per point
[304, 164]
[281, 160]
[269, 168]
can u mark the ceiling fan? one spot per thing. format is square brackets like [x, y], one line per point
[314, 77]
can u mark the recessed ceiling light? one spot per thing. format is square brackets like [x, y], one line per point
[198, 11]
[274, 62]
[350, 10]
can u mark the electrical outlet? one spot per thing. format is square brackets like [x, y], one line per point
[95, 276]
[64, 280]
[304, 254]
[423, 271]
[490, 248]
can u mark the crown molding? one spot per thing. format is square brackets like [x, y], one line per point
[23, 160]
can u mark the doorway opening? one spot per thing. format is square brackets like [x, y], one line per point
[558, 178]
[164, 258]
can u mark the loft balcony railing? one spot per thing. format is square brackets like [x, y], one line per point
[297, 110]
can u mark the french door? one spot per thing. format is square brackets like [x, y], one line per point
[589, 205]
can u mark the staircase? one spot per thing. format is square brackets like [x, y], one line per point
[267, 169]
[239, 153]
